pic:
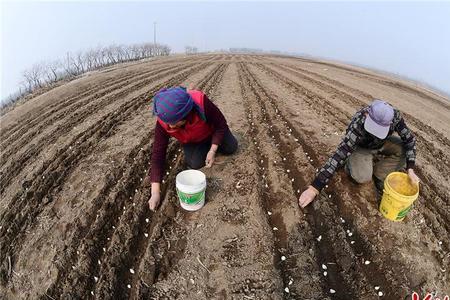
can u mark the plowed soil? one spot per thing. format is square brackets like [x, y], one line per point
[74, 219]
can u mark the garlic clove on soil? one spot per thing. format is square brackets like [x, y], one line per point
[325, 273]
[380, 294]
[275, 229]
[324, 267]
[286, 289]
[377, 288]
[332, 291]
[283, 258]
[367, 262]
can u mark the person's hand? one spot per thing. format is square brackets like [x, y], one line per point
[307, 196]
[413, 177]
[154, 201]
[210, 158]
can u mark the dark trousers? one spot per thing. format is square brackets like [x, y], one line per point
[195, 153]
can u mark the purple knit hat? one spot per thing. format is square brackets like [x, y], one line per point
[173, 104]
[379, 119]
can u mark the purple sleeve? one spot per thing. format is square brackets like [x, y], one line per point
[215, 117]
[160, 142]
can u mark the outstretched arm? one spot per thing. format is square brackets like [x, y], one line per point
[344, 150]
[161, 140]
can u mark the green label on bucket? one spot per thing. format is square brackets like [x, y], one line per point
[191, 198]
[403, 213]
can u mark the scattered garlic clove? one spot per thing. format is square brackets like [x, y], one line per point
[332, 291]
[325, 273]
[319, 238]
[286, 289]
[380, 294]
[146, 234]
[367, 262]
[131, 271]
[283, 258]
[324, 267]
[291, 282]
[95, 278]
[269, 213]
[129, 286]
[275, 229]
[377, 288]
[146, 220]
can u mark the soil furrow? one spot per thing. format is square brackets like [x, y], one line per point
[90, 234]
[357, 104]
[325, 222]
[348, 92]
[116, 268]
[164, 258]
[62, 108]
[379, 79]
[12, 170]
[29, 203]
[329, 112]
[283, 246]
[109, 82]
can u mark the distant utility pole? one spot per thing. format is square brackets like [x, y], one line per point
[154, 38]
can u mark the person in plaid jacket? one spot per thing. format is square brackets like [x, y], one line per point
[377, 142]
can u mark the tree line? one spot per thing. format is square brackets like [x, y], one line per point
[44, 74]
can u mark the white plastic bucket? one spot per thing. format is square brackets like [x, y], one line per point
[191, 187]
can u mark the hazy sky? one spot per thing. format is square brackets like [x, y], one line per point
[408, 38]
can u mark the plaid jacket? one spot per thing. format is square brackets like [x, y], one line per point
[357, 136]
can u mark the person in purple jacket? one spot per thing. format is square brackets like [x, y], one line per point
[370, 149]
[198, 124]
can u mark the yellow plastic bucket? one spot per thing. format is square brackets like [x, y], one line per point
[398, 196]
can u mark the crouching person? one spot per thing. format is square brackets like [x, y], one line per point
[377, 142]
[198, 124]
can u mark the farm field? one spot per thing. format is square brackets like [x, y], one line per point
[74, 217]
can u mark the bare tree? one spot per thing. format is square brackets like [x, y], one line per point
[51, 70]
[45, 73]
